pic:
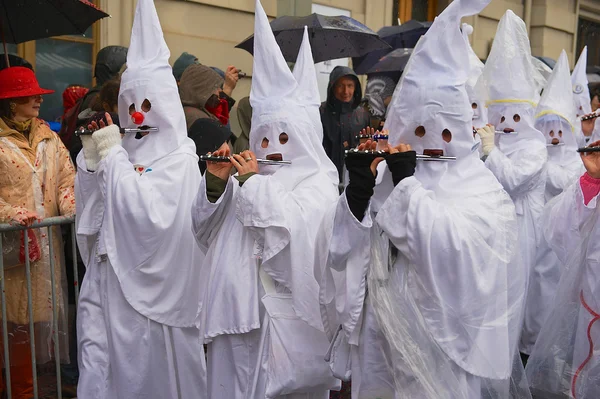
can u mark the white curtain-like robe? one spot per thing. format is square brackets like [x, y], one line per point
[566, 358]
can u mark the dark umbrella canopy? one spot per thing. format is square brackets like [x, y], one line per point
[330, 37]
[401, 36]
[24, 20]
[393, 62]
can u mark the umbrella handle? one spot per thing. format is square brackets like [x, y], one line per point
[4, 44]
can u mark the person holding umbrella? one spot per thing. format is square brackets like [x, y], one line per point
[341, 116]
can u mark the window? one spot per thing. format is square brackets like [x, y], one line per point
[588, 34]
[420, 10]
[59, 62]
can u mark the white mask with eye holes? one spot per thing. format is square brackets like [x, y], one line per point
[560, 139]
[514, 125]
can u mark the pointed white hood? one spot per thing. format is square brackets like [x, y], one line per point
[555, 116]
[579, 80]
[286, 103]
[149, 89]
[509, 79]
[475, 88]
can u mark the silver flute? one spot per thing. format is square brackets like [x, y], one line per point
[124, 130]
[384, 154]
[587, 117]
[212, 158]
[588, 149]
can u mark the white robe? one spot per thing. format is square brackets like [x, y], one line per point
[122, 352]
[559, 363]
[260, 217]
[434, 237]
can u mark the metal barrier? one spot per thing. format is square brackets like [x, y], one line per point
[46, 223]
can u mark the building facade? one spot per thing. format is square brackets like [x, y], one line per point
[210, 29]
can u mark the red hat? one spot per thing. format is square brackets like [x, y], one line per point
[18, 82]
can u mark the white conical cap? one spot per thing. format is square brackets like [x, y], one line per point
[305, 74]
[557, 98]
[432, 92]
[579, 81]
[474, 86]
[271, 76]
[508, 74]
[149, 77]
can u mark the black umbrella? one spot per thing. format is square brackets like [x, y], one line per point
[401, 36]
[330, 37]
[24, 20]
[393, 62]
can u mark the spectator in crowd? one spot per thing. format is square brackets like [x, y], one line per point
[244, 114]
[595, 95]
[200, 90]
[181, 64]
[109, 62]
[71, 95]
[209, 136]
[341, 116]
[14, 60]
[378, 95]
[36, 182]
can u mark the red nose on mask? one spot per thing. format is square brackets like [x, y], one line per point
[137, 118]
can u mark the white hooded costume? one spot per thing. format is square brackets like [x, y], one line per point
[565, 361]
[581, 96]
[474, 86]
[518, 155]
[269, 345]
[435, 253]
[555, 118]
[139, 305]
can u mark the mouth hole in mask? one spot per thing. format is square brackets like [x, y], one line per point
[474, 105]
[283, 138]
[265, 142]
[551, 133]
[447, 135]
[131, 109]
[560, 133]
[420, 131]
[516, 118]
[502, 119]
[146, 105]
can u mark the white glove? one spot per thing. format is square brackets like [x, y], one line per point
[106, 138]
[90, 153]
[487, 134]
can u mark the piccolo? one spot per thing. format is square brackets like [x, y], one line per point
[588, 149]
[124, 130]
[212, 158]
[384, 154]
[588, 117]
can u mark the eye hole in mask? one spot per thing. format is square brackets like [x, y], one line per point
[560, 133]
[551, 133]
[283, 138]
[447, 135]
[146, 105]
[265, 143]
[502, 119]
[516, 118]
[420, 131]
[474, 105]
[131, 109]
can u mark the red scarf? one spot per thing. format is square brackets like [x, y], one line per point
[221, 111]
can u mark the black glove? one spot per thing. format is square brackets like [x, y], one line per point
[360, 187]
[402, 165]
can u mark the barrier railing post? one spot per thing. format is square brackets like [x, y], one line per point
[4, 325]
[75, 271]
[54, 314]
[30, 313]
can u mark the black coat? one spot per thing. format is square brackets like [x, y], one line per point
[342, 122]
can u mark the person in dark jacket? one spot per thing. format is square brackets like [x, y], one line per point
[341, 116]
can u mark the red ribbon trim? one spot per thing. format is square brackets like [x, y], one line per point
[596, 317]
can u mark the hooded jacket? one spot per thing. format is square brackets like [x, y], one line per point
[342, 121]
[198, 83]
